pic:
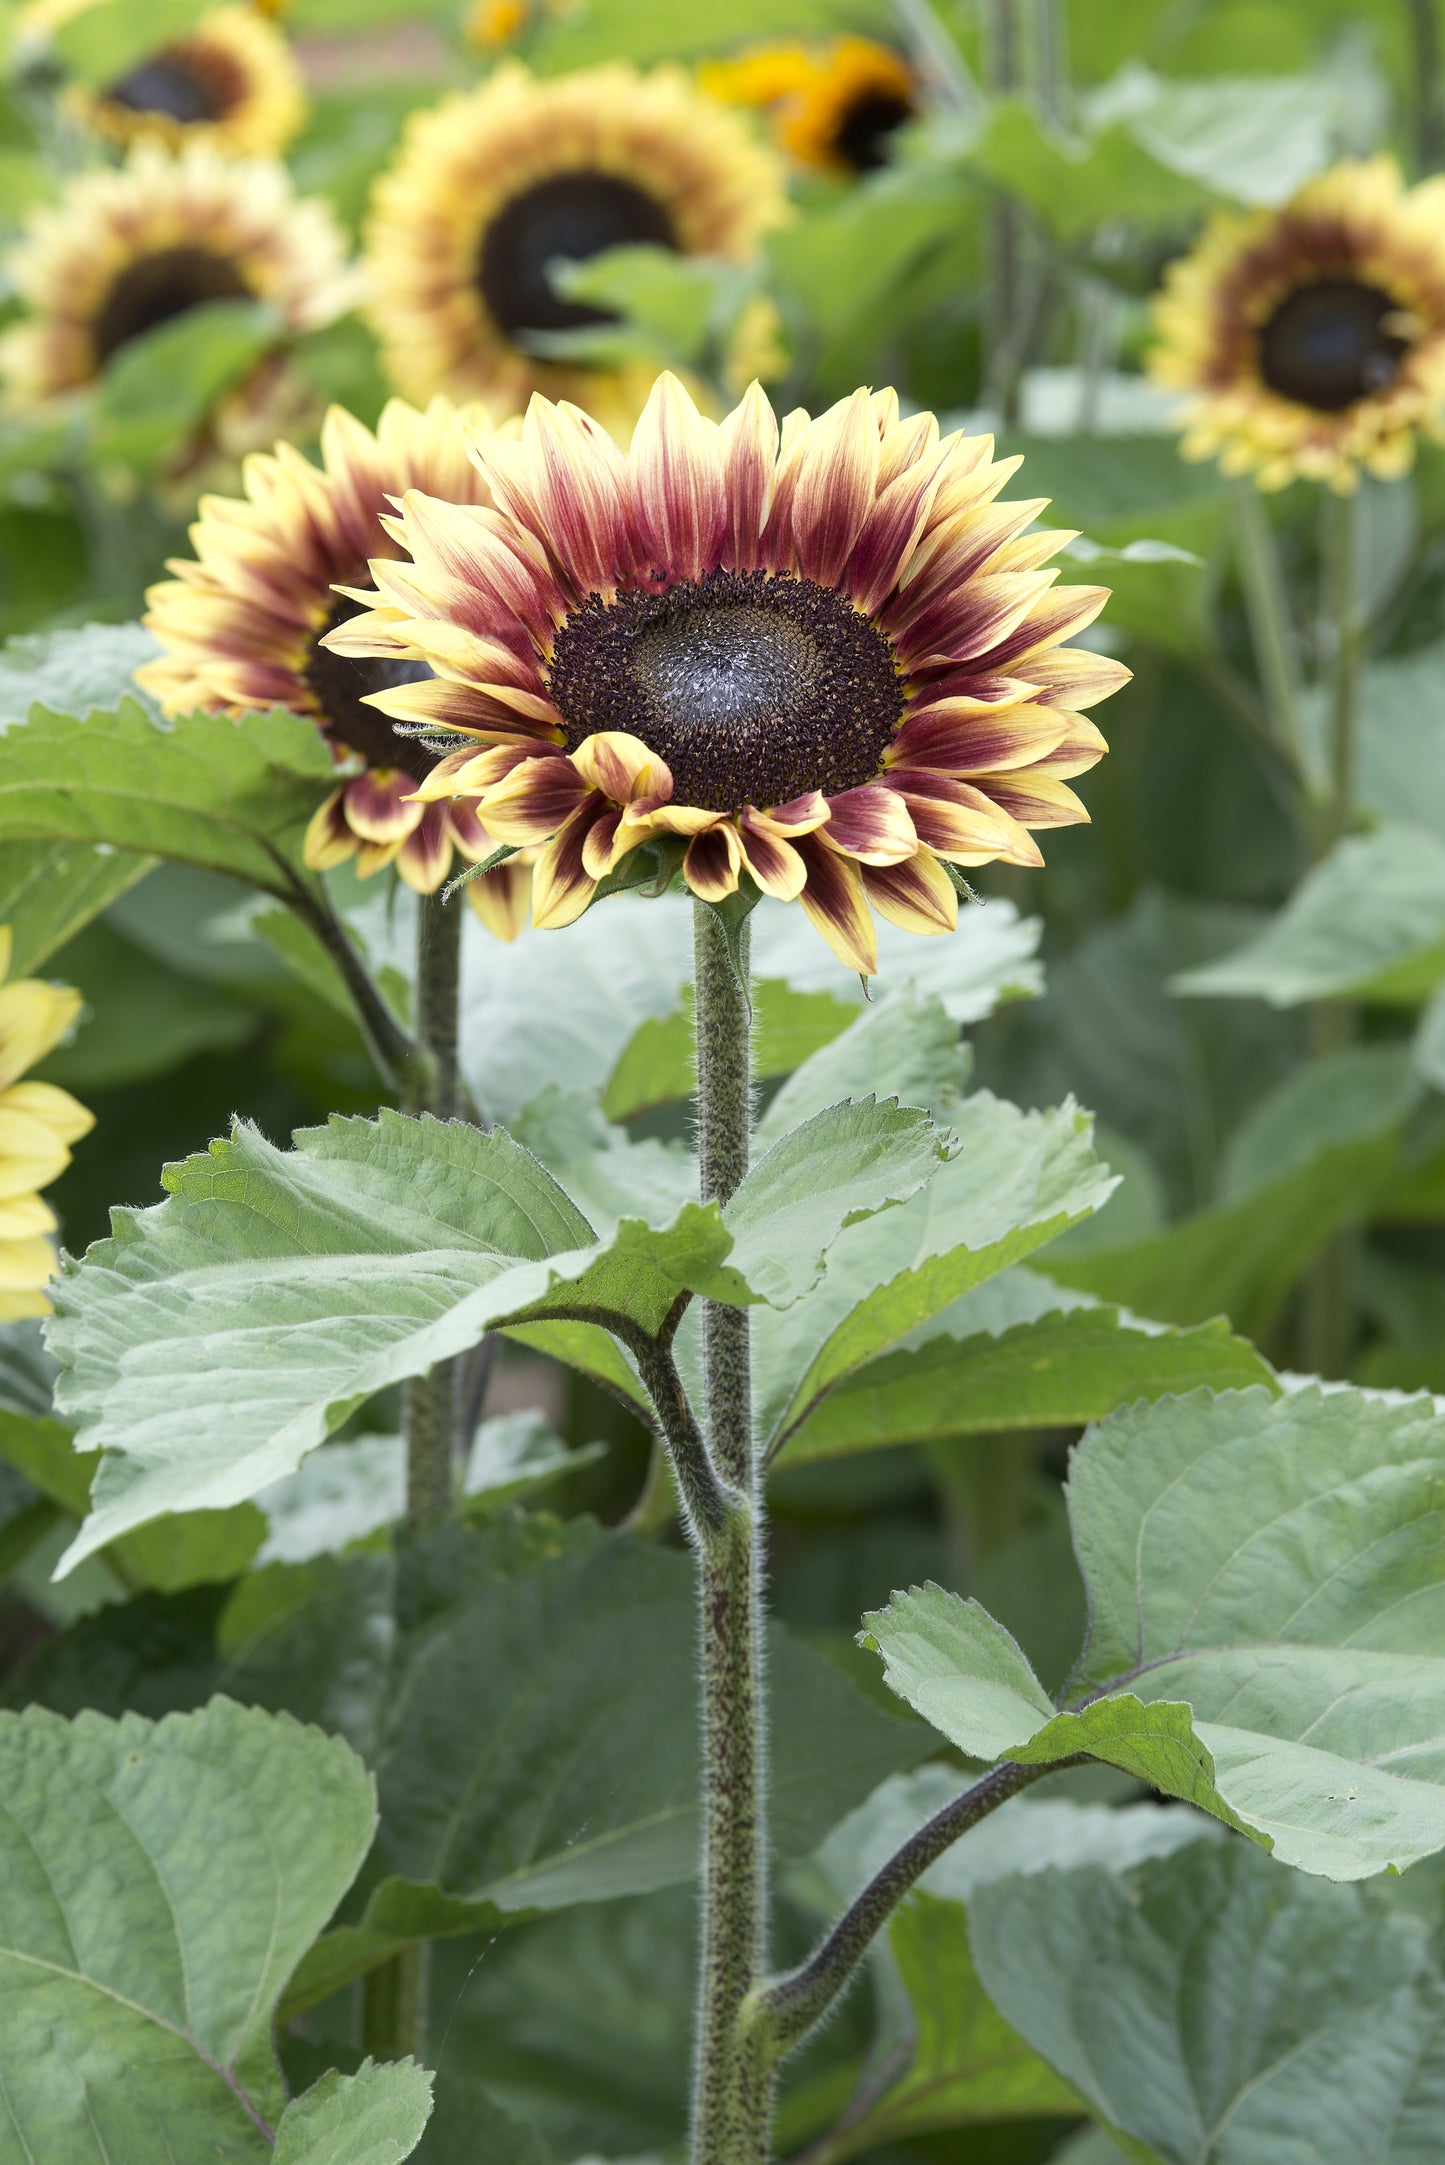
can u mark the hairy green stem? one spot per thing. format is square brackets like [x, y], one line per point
[393, 1051]
[788, 2007]
[1271, 630]
[732, 2095]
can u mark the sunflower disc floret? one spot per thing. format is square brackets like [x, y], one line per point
[1311, 339]
[824, 660]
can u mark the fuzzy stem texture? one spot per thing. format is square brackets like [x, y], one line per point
[732, 2097]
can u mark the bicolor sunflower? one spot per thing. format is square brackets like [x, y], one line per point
[126, 250]
[493, 188]
[230, 82]
[1311, 339]
[837, 110]
[38, 1123]
[241, 625]
[822, 659]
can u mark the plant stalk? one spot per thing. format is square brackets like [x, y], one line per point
[1427, 115]
[1004, 231]
[1272, 631]
[732, 2093]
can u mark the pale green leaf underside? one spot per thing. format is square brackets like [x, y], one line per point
[374, 2117]
[1267, 1593]
[218, 1337]
[162, 1880]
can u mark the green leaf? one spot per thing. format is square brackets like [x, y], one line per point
[537, 1739]
[233, 797]
[1020, 1352]
[1315, 1155]
[1017, 1180]
[50, 890]
[1367, 923]
[130, 29]
[1157, 590]
[1215, 2008]
[162, 383]
[374, 2117]
[1075, 184]
[1254, 138]
[85, 670]
[905, 1047]
[1262, 1578]
[140, 1018]
[163, 1880]
[658, 1065]
[373, 1250]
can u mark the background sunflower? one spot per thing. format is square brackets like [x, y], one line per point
[230, 83]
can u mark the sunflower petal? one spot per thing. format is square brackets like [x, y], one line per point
[677, 479]
[773, 862]
[712, 862]
[377, 806]
[917, 894]
[425, 857]
[55, 1108]
[835, 903]
[502, 899]
[871, 824]
[329, 841]
[622, 767]
[748, 440]
[535, 799]
[561, 885]
[834, 488]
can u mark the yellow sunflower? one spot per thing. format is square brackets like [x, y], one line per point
[38, 1123]
[1311, 339]
[126, 250]
[241, 623]
[491, 188]
[837, 110]
[230, 82]
[824, 659]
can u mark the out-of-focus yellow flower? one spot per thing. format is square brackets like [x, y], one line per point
[231, 82]
[38, 1123]
[1311, 339]
[836, 110]
[491, 23]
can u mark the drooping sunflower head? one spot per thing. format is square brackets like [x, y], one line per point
[491, 189]
[127, 250]
[822, 659]
[231, 82]
[838, 110]
[38, 1123]
[241, 625]
[1311, 339]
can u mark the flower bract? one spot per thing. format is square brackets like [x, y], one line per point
[1311, 339]
[125, 251]
[230, 82]
[824, 659]
[491, 189]
[241, 626]
[38, 1123]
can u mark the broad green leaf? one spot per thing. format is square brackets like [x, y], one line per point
[1316, 1154]
[374, 2117]
[220, 1336]
[50, 890]
[1254, 138]
[1074, 183]
[1263, 1586]
[903, 1047]
[535, 1736]
[140, 1018]
[1157, 590]
[1017, 1179]
[233, 797]
[1366, 923]
[162, 383]
[83, 671]
[162, 1882]
[1020, 1352]
[1224, 2012]
[1120, 489]
[658, 1065]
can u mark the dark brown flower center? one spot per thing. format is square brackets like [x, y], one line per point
[1331, 343]
[865, 133]
[753, 686]
[168, 83]
[339, 685]
[573, 216]
[154, 289]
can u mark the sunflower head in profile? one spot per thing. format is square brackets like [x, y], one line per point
[837, 110]
[823, 661]
[230, 82]
[492, 189]
[125, 251]
[241, 625]
[38, 1123]
[1311, 339]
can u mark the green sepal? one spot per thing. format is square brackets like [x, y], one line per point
[477, 871]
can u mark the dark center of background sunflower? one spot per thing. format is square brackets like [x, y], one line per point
[864, 139]
[753, 686]
[1327, 345]
[339, 685]
[573, 215]
[154, 289]
[168, 83]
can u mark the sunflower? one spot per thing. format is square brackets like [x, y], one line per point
[38, 1123]
[491, 188]
[240, 625]
[837, 110]
[126, 250]
[230, 82]
[824, 660]
[1311, 339]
